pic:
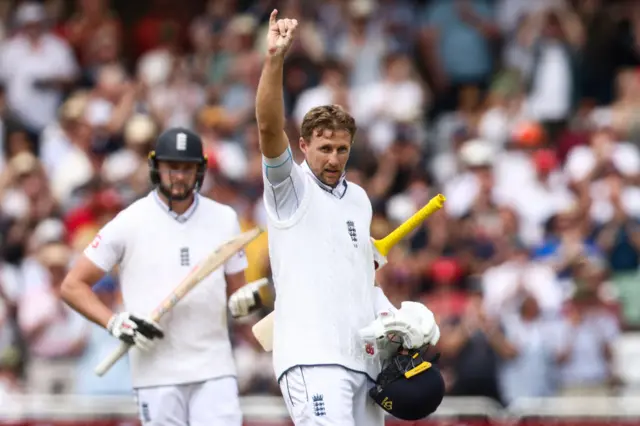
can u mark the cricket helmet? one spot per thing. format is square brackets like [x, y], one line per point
[179, 145]
[409, 387]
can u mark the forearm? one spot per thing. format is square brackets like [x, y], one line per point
[381, 302]
[501, 345]
[270, 108]
[82, 299]
[453, 341]
[607, 237]
[234, 282]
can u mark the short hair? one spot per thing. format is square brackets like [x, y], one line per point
[327, 117]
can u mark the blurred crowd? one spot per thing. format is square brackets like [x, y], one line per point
[524, 114]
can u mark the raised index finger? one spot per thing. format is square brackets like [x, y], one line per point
[272, 17]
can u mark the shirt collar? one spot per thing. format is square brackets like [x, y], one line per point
[182, 218]
[339, 190]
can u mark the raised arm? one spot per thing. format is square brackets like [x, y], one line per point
[269, 98]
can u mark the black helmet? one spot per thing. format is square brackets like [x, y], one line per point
[409, 387]
[177, 144]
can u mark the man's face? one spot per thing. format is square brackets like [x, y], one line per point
[327, 153]
[33, 29]
[178, 177]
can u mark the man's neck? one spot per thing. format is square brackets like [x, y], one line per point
[178, 206]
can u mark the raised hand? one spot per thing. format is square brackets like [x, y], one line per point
[280, 35]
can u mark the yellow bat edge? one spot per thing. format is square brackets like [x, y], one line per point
[384, 245]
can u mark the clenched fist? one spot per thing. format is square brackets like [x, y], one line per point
[280, 35]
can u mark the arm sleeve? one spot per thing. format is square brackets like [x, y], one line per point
[284, 185]
[238, 261]
[107, 248]
[67, 65]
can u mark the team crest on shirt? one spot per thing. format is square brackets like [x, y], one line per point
[184, 256]
[318, 405]
[146, 415]
[351, 227]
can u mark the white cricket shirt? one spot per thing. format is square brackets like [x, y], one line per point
[156, 249]
[323, 269]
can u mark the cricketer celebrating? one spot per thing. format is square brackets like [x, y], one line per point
[322, 259]
[189, 376]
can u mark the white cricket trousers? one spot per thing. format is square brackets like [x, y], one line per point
[211, 403]
[329, 395]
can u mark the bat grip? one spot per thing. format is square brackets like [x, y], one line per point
[412, 223]
[109, 361]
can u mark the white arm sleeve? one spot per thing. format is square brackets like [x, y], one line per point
[381, 303]
[284, 185]
[238, 261]
[107, 248]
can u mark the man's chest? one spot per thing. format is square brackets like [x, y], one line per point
[345, 221]
[173, 246]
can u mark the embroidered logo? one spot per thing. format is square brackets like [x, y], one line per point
[181, 142]
[368, 348]
[351, 227]
[318, 405]
[184, 256]
[146, 415]
[387, 404]
[96, 241]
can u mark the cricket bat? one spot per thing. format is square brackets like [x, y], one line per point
[202, 270]
[263, 329]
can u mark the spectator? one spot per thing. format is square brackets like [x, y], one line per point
[361, 47]
[529, 347]
[55, 335]
[35, 85]
[332, 82]
[551, 100]
[503, 282]
[116, 381]
[586, 358]
[371, 107]
[94, 32]
[471, 357]
[457, 47]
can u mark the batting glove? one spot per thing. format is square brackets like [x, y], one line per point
[248, 298]
[390, 330]
[424, 319]
[134, 330]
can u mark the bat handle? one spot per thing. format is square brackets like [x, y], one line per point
[412, 223]
[109, 361]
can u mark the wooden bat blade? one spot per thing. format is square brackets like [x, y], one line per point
[202, 270]
[263, 332]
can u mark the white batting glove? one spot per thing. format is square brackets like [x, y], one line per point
[385, 335]
[424, 319]
[134, 330]
[247, 298]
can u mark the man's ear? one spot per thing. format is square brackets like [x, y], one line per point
[303, 145]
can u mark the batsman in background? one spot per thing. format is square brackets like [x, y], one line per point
[321, 257]
[189, 376]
